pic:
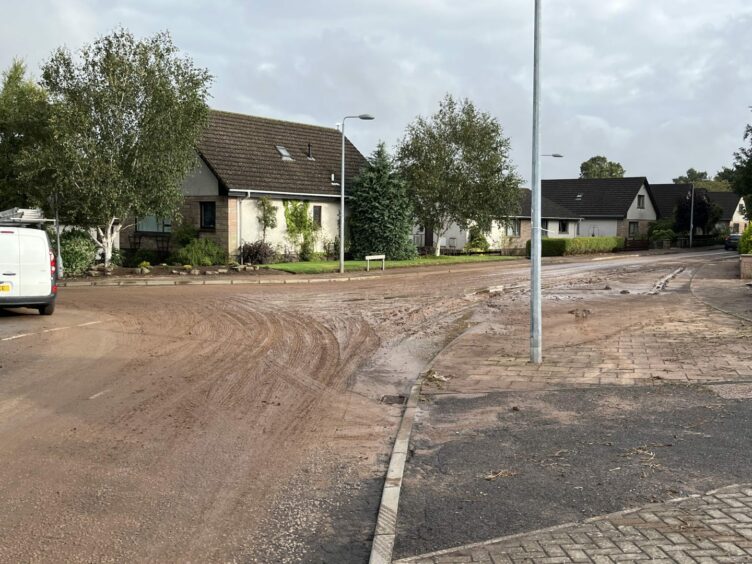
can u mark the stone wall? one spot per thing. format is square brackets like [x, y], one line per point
[746, 266]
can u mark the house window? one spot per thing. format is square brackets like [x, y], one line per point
[640, 202]
[284, 153]
[735, 228]
[513, 228]
[153, 224]
[544, 225]
[633, 229]
[741, 208]
[317, 216]
[208, 215]
[563, 226]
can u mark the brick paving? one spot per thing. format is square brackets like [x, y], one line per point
[713, 528]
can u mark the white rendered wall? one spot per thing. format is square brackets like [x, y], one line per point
[636, 214]
[201, 182]
[598, 227]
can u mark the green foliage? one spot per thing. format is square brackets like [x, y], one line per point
[24, 125]
[745, 242]
[200, 252]
[135, 258]
[301, 229]
[600, 167]
[477, 241]
[380, 211]
[183, 234]
[78, 251]
[721, 182]
[742, 175]
[258, 252]
[660, 225]
[267, 216]
[126, 116]
[662, 235]
[144, 264]
[706, 213]
[117, 257]
[457, 168]
[579, 246]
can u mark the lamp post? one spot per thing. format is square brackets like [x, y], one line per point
[342, 193]
[692, 215]
[536, 333]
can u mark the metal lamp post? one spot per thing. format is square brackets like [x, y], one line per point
[342, 193]
[692, 216]
[536, 333]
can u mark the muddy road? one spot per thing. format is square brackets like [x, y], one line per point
[224, 423]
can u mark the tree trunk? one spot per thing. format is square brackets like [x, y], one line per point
[437, 247]
[105, 240]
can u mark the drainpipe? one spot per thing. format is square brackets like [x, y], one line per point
[239, 208]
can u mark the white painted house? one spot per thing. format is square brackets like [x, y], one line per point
[243, 158]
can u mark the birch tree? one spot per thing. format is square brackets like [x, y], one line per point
[457, 168]
[126, 116]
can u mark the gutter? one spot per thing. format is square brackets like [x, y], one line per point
[247, 193]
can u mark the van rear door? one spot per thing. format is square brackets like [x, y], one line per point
[34, 251]
[10, 272]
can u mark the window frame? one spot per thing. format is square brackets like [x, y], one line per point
[164, 223]
[636, 233]
[317, 221]
[640, 201]
[565, 223]
[201, 216]
[513, 228]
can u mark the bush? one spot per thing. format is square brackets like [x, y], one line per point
[477, 241]
[659, 225]
[258, 252]
[78, 250]
[662, 235]
[144, 264]
[745, 242]
[200, 252]
[306, 249]
[135, 258]
[183, 234]
[579, 246]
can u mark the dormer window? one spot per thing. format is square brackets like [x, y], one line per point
[284, 153]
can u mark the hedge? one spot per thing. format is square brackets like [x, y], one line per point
[579, 246]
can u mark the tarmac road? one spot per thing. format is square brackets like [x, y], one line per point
[221, 423]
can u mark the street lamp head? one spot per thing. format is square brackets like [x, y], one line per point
[366, 116]
[557, 155]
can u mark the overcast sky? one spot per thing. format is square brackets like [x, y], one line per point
[657, 85]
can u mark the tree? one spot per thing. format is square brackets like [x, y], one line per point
[701, 179]
[706, 213]
[457, 168]
[381, 218]
[601, 167]
[267, 216]
[24, 124]
[742, 177]
[126, 116]
[301, 229]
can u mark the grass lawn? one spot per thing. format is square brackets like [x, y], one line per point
[324, 266]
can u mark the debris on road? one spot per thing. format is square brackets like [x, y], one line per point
[499, 474]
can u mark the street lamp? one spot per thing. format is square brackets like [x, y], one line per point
[342, 193]
[555, 155]
[536, 332]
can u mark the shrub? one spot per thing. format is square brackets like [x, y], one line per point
[200, 252]
[183, 234]
[477, 241]
[745, 242]
[135, 258]
[144, 264]
[258, 252]
[579, 246]
[306, 248]
[659, 225]
[662, 235]
[78, 250]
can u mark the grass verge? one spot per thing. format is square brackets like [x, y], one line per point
[323, 267]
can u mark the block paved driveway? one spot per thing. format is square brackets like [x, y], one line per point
[573, 444]
[716, 527]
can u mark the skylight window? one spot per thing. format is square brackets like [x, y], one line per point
[579, 196]
[284, 153]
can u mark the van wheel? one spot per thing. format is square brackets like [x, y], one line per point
[47, 309]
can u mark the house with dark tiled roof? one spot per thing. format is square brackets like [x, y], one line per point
[733, 212]
[241, 159]
[512, 235]
[622, 207]
[668, 196]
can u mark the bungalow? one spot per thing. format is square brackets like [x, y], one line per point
[733, 212]
[509, 237]
[621, 207]
[241, 159]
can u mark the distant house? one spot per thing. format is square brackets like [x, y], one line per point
[668, 196]
[511, 236]
[621, 207]
[241, 159]
[733, 213]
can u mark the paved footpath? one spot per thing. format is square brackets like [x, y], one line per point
[715, 527]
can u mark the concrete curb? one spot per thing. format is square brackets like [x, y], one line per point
[386, 523]
[597, 518]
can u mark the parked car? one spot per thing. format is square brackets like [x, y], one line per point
[27, 269]
[732, 241]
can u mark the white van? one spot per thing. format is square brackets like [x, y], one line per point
[27, 269]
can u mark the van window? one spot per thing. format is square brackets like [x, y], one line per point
[33, 249]
[8, 246]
